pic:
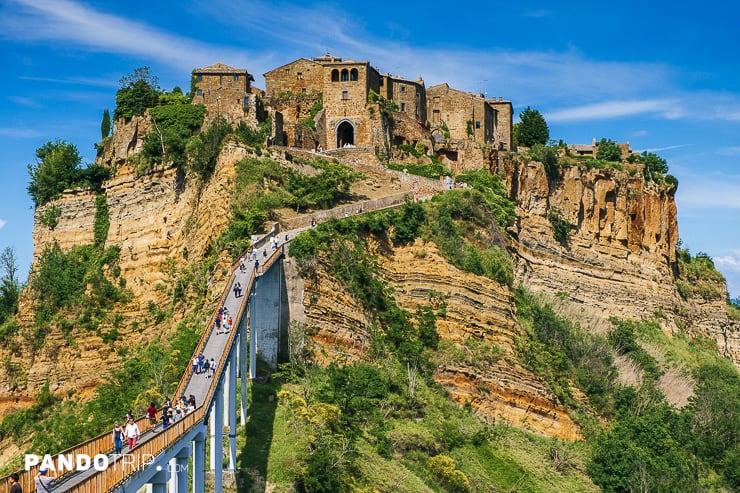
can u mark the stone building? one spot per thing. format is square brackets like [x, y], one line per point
[592, 148]
[411, 96]
[469, 116]
[343, 87]
[225, 91]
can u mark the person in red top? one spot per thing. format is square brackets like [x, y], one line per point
[152, 413]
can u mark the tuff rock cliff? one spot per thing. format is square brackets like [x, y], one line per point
[619, 259]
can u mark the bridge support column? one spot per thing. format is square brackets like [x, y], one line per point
[231, 377]
[253, 334]
[199, 463]
[180, 472]
[217, 442]
[159, 482]
[243, 372]
[172, 481]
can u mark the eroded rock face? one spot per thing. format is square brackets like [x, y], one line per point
[155, 215]
[620, 257]
[477, 308]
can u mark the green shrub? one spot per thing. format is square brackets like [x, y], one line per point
[172, 126]
[102, 220]
[204, 149]
[608, 151]
[560, 226]
[50, 216]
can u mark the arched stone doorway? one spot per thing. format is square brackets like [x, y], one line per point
[345, 134]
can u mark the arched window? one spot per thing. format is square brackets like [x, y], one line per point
[345, 75]
[335, 75]
[353, 74]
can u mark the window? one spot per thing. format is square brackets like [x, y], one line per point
[353, 74]
[403, 89]
[345, 95]
[477, 124]
[236, 77]
[435, 116]
[300, 75]
[435, 99]
[403, 107]
[199, 77]
[345, 75]
[200, 92]
[335, 75]
[303, 90]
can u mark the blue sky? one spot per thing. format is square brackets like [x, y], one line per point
[662, 75]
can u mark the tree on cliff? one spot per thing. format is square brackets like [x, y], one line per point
[10, 285]
[105, 124]
[139, 91]
[532, 128]
[56, 169]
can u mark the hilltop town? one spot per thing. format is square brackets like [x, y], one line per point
[328, 103]
[532, 319]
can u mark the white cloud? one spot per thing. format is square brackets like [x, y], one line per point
[664, 148]
[68, 21]
[729, 265]
[729, 151]
[82, 81]
[23, 101]
[729, 262]
[718, 190]
[3, 222]
[21, 133]
[667, 108]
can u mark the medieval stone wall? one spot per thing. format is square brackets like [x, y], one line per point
[302, 76]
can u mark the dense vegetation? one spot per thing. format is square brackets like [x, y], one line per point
[57, 168]
[650, 444]
[697, 275]
[10, 290]
[263, 185]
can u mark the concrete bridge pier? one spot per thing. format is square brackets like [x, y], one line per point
[159, 482]
[231, 409]
[216, 432]
[199, 463]
[243, 370]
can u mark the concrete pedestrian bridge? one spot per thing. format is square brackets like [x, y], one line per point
[176, 459]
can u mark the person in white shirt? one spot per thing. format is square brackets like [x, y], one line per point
[132, 433]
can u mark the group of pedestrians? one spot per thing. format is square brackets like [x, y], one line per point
[204, 366]
[43, 482]
[223, 319]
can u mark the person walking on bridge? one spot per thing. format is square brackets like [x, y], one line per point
[132, 433]
[14, 486]
[43, 481]
[117, 437]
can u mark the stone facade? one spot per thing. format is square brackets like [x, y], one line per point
[411, 96]
[344, 85]
[225, 91]
[470, 116]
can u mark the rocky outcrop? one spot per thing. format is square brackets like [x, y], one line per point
[620, 255]
[156, 215]
[476, 308]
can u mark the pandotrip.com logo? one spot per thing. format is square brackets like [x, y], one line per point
[64, 463]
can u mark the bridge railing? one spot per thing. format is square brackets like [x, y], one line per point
[104, 480]
[103, 443]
